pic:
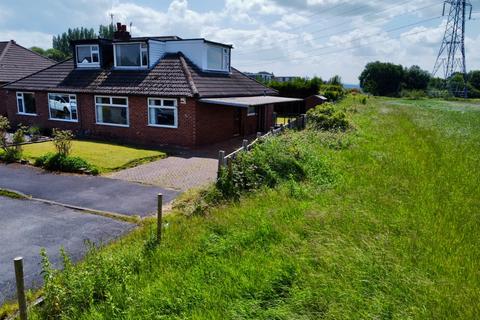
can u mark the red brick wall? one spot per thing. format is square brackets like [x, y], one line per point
[3, 102]
[215, 123]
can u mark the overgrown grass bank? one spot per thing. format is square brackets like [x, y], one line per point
[394, 235]
[106, 157]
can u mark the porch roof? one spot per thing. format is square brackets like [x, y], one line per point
[245, 102]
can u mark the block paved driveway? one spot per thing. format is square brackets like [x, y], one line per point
[26, 226]
[96, 193]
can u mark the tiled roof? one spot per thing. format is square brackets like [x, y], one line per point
[173, 76]
[17, 62]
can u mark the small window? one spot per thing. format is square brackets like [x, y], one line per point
[252, 111]
[62, 106]
[218, 58]
[131, 55]
[112, 111]
[88, 56]
[26, 103]
[163, 113]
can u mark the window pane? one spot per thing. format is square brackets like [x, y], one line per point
[121, 101]
[20, 105]
[62, 107]
[164, 117]
[29, 103]
[112, 115]
[95, 57]
[144, 58]
[155, 102]
[128, 55]
[169, 103]
[215, 58]
[83, 55]
[104, 100]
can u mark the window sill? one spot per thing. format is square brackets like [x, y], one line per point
[252, 115]
[113, 125]
[63, 120]
[27, 114]
[88, 66]
[162, 126]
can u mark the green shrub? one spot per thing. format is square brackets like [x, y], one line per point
[62, 140]
[11, 152]
[62, 163]
[34, 133]
[327, 117]
[413, 94]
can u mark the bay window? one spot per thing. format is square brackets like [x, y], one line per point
[62, 106]
[112, 111]
[26, 103]
[88, 56]
[131, 55]
[163, 113]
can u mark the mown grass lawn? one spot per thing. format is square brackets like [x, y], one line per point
[395, 237]
[106, 157]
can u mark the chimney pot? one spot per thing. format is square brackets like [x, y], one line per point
[119, 26]
[124, 28]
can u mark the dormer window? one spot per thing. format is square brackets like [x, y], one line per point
[131, 55]
[88, 56]
[218, 58]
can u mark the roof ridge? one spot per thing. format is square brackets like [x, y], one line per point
[4, 52]
[30, 75]
[188, 74]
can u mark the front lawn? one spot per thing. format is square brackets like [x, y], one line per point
[105, 156]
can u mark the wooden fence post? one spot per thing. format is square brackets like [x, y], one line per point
[159, 217]
[289, 125]
[245, 145]
[22, 302]
[221, 162]
[304, 121]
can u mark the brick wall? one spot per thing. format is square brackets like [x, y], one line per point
[3, 102]
[214, 123]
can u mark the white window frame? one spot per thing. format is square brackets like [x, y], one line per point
[174, 108]
[70, 96]
[145, 49]
[251, 114]
[23, 113]
[112, 105]
[225, 59]
[88, 64]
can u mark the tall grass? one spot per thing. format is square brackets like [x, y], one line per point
[395, 237]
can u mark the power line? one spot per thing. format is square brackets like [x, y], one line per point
[356, 47]
[359, 38]
[241, 52]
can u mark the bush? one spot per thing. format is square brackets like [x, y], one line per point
[11, 152]
[413, 94]
[62, 163]
[326, 117]
[332, 92]
[62, 140]
[34, 133]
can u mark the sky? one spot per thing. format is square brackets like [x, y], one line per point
[287, 37]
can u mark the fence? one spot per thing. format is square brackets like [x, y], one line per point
[226, 160]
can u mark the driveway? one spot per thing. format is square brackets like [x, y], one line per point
[97, 193]
[27, 226]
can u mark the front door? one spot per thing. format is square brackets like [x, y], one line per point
[237, 122]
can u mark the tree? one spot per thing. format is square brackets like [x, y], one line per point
[382, 79]
[107, 31]
[416, 79]
[297, 88]
[335, 80]
[474, 79]
[62, 41]
[51, 53]
[456, 84]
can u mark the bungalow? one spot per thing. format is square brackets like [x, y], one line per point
[17, 62]
[148, 90]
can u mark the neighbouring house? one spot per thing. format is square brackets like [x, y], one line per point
[262, 76]
[17, 62]
[313, 101]
[286, 78]
[145, 90]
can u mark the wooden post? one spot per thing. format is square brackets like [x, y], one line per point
[259, 135]
[245, 145]
[271, 130]
[159, 217]
[221, 162]
[289, 126]
[304, 121]
[22, 302]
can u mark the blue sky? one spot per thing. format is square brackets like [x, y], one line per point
[287, 37]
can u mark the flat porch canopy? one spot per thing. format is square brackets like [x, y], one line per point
[245, 102]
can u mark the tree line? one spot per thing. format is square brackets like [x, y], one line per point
[61, 43]
[388, 79]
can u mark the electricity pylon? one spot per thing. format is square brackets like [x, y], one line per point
[452, 51]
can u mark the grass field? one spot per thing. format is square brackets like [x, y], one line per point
[105, 156]
[395, 237]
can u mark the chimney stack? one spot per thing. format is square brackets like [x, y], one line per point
[121, 33]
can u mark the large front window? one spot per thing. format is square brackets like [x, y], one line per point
[26, 103]
[218, 58]
[88, 56]
[63, 106]
[131, 55]
[112, 111]
[162, 113]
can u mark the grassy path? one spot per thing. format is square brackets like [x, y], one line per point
[396, 237]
